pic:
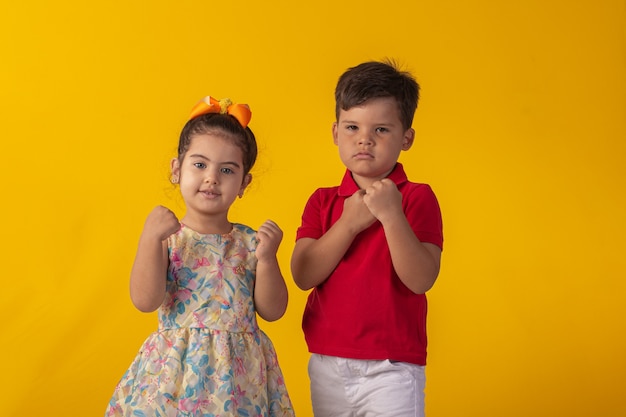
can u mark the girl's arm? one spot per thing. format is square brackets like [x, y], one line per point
[149, 273]
[270, 290]
[313, 260]
[416, 263]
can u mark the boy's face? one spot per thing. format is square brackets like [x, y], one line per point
[370, 138]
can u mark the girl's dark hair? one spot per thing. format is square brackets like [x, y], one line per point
[374, 80]
[225, 125]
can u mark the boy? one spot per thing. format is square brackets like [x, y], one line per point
[369, 248]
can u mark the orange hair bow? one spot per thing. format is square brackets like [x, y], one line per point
[209, 104]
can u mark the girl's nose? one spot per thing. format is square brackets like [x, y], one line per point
[211, 177]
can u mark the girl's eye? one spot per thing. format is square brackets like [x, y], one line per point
[200, 165]
[226, 171]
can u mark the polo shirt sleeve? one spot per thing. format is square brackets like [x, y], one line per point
[311, 226]
[424, 215]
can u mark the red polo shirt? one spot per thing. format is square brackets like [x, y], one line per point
[363, 310]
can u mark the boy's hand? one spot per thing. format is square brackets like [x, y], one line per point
[356, 214]
[383, 199]
[270, 236]
[161, 223]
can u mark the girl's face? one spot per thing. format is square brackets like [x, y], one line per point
[211, 176]
[370, 138]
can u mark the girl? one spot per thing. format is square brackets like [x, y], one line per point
[208, 278]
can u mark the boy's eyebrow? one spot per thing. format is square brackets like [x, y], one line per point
[348, 121]
[353, 122]
[197, 155]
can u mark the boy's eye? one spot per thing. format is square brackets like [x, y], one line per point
[351, 127]
[382, 129]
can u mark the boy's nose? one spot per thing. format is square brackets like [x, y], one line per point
[366, 139]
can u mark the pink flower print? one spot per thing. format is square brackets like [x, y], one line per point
[170, 301]
[149, 348]
[201, 262]
[199, 320]
[182, 295]
[169, 343]
[160, 362]
[238, 395]
[176, 259]
[186, 404]
[115, 410]
[192, 285]
[239, 367]
[262, 373]
[240, 250]
[189, 404]
[219, 268]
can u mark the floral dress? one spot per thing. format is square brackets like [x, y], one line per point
[208, 357]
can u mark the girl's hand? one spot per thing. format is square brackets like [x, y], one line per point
[270, 236]
[161, 223]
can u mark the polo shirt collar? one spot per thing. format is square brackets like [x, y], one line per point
[349, 186]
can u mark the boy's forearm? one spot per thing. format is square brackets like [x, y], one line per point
[314, 260]
[270, 291]
[416, 264]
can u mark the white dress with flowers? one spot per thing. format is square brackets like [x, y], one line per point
[208, 356]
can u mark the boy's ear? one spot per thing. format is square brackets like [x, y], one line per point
[335, 133]
[409, 138]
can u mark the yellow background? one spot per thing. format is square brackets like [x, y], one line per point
[521, 131]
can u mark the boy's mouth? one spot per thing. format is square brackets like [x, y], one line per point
[363, 155]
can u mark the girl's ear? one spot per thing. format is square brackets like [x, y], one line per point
[409, 138]
[246, 181]
[175, 166]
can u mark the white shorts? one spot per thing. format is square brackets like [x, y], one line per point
[343, 387]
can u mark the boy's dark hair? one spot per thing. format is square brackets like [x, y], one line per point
[376, 79]
[226, 126]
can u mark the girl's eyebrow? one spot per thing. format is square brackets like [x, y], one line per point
[233, 163]
[197, 155]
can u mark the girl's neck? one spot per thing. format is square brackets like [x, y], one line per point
[208, 225]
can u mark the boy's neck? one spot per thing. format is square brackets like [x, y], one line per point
[364, 182]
